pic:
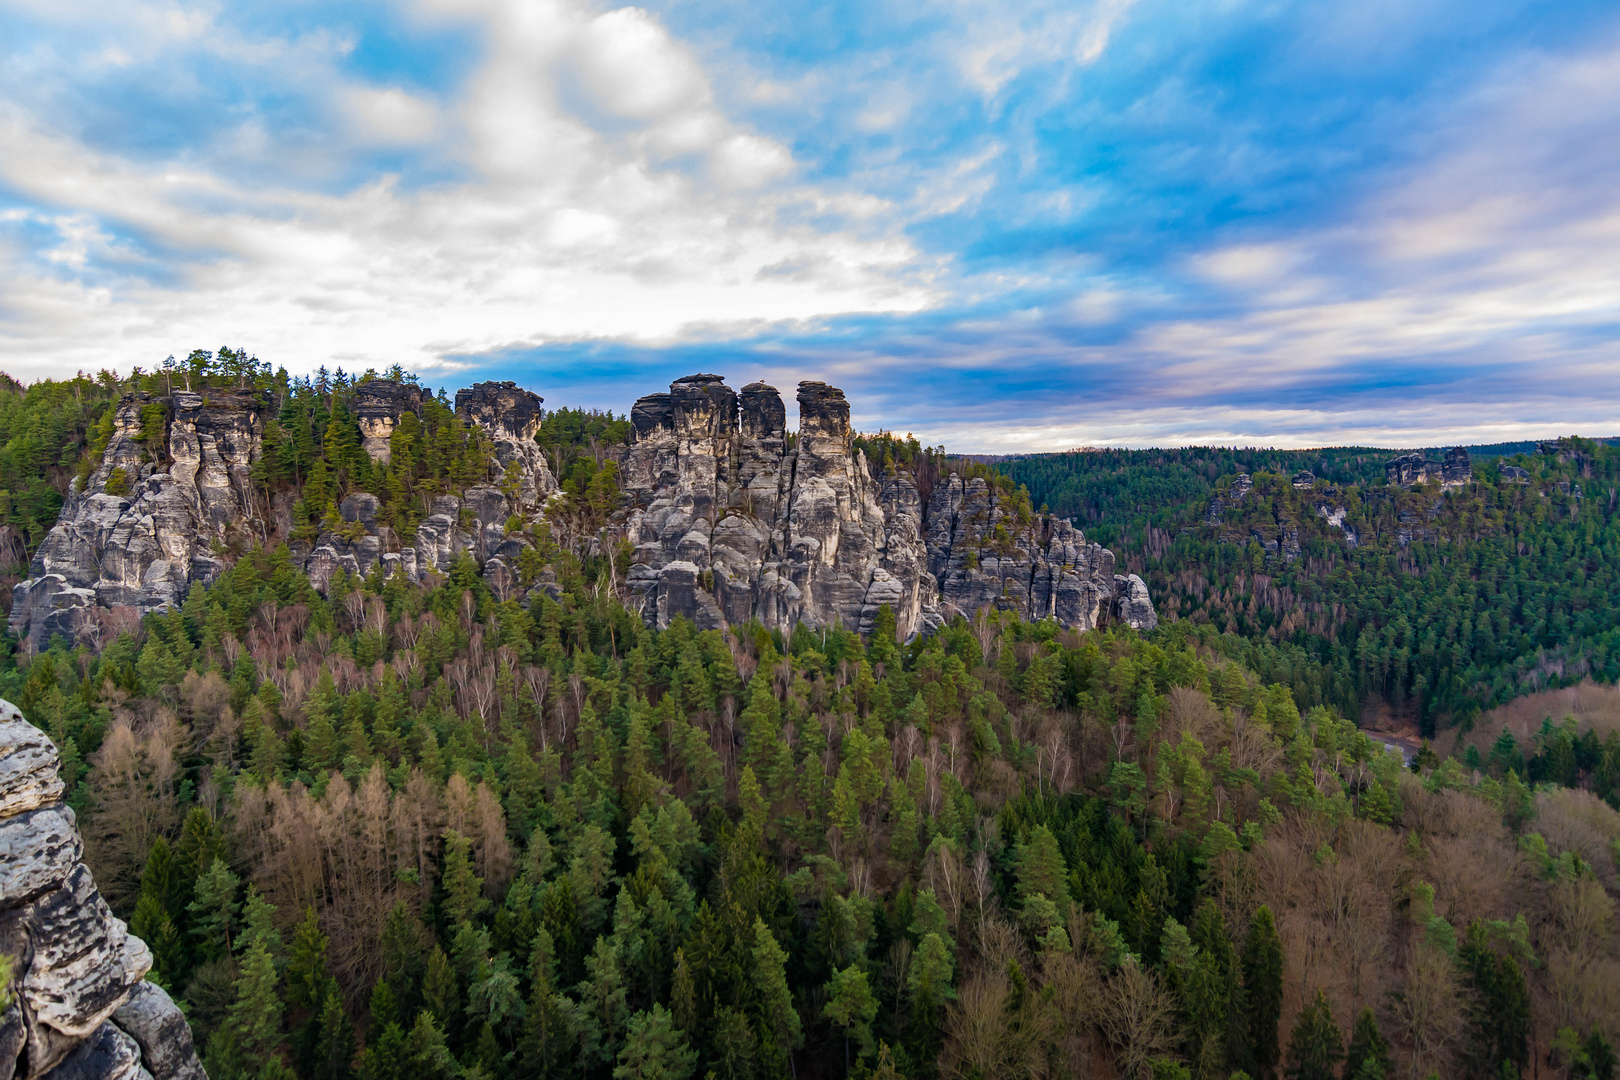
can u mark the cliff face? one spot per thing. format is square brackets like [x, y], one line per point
[152, 516]
[732, 522]
[731, 518]
[174, 492]
[79, 1009]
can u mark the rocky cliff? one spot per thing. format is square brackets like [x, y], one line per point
[173, 491]
[730, 515]
[173, 497]
[735, 519]
[78, 1008]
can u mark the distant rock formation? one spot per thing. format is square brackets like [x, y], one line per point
[80, 1010]
[1408, 469]
[1304, 479]
[733, 520]
[173, 493]
[153, 516]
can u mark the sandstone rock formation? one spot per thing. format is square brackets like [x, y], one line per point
[80, 1010]
[731, 517]
[1409, 469]
[734, 519]
[152, 517]
[158, 512]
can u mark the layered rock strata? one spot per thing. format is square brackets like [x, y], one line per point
[733, 520]
[79, 1008]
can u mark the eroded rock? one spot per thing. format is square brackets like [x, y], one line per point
[74, 964]
[730, 524]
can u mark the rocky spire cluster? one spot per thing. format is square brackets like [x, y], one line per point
[731, 517]
[734, 519]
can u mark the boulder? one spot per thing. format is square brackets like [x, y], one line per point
[76, 969]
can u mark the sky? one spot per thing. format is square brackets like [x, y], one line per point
[1004, 227]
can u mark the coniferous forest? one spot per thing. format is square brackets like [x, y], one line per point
[412, 830]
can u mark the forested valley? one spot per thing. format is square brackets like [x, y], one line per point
[423, 830]
[1432, 604]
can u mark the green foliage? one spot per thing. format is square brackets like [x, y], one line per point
[1316, 1046]
[1447, 603]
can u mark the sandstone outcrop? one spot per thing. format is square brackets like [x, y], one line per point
[174, 492]
[1409, 469]
[153, 517]
[731, 517]
[80, 1010]
[734, 519]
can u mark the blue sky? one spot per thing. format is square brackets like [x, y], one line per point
[1002, 226]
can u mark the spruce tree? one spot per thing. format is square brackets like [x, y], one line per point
[213, 911]
[1262, 987]
[654, 1049]
[1367, 1043]
[1316, 1046]
[778, 1019]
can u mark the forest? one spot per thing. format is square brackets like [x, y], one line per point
[1432, 604]
[421, 830]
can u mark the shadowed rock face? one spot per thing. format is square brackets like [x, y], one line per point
[82, 1011]
[378, 405]
[731, 524]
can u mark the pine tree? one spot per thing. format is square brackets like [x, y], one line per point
[213, 911]
[736, 1047]
[1040, 868]
[335, 1045]
[1499, 1013]
[251, 1033]
[1262, 986]
[306, 968]
[1316, 1046]
[428, 1058]
[851, 1006]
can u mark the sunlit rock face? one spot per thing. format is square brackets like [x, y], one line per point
[735, 519]
[81, 1010]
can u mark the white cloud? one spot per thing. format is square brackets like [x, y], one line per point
[389, 115]
[571, 219]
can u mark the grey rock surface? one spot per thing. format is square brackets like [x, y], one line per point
[141, 544]
[733, 519]
[74, 964]
[156, 1023]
